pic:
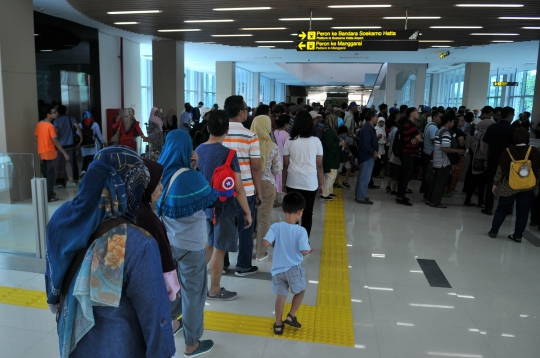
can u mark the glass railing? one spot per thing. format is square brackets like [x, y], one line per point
[17, 224]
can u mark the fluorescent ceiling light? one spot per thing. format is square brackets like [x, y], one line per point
[489, 5]
[271, 42]
[463, 296]
[436, 41]
[455, 27]
[531, 27]
[134, 12]
[429, 306]
[460, 355]
[502, 41]
[417, 271]
[361, 346]
[266, 46]
[524, 315]
[233, 35]
[310, 281]
[262, 28]
[306, 19]
[243, 8]
[355, 27]
[38, 34]
[203, 21]
[405, 324]
[355, 6]
[294, 34]
[179, 30]
[440, 46]
[126, 23]
[492, 34]
[518, 18]
[412, 17]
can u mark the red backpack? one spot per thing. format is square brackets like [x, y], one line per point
[224, 180]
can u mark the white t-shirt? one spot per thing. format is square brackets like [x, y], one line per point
[302, 171]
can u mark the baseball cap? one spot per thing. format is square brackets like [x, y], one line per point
[426, 109]
[381, 119]
[314, 114]
[353, 104]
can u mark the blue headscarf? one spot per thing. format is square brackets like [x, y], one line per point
[190, 192]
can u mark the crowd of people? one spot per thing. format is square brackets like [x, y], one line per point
[118, 268]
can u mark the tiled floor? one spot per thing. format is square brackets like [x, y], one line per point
[491, 311]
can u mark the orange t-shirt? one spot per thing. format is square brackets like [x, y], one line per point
[45, 134]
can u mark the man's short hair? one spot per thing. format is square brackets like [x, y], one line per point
[382, 106]
[507, 112]
[45, 110]
[342, 129]
[403, 108]
[370, 114]
[218, 123]
[293, 202]
[201, 104]
[487, 110]
[448, 117]
[299, 100]
[279, 109]
[61, 110]
[233, 106]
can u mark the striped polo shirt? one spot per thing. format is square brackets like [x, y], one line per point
[246, 144]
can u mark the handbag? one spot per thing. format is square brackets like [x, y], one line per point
[521, 175]
[116, 137]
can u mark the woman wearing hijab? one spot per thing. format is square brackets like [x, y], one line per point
[507, 196]
[332, 147]
[155, 130]
[271, 166]
[116, 302]
[477, 165]
[281, 135]
[129, 128]
[148, 220]
[172, 121]
[186, 195]
[89, 151]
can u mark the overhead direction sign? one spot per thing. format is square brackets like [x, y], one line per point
[401, 40]
[505, 84]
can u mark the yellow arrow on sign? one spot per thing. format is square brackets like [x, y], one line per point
[302, 35]
[301, 45]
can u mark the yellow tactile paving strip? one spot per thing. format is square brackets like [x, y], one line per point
[330, 322]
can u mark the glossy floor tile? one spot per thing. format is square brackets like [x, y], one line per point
[492, 309]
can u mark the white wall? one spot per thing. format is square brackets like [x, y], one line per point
[132, 79]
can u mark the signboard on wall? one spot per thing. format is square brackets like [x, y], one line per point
[505, 84]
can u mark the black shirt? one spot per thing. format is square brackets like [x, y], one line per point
[499, 137]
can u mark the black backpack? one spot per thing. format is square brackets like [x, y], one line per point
[88, 136]
[397, 146]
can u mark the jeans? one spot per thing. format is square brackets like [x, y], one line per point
[407, 166]
[264, 215]
[366, 168]
[193, 279]
[490, 198]
[72, 152]
[245, 236]
[47, 171]
[524, 201]
[309, 197]
[437, 185]
[329, 179]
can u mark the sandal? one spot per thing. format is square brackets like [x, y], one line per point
[293, 322]
[280, 327]
[512, 237]
[440, 206]
[337, 186]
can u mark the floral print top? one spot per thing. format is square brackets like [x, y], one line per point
[273, 165]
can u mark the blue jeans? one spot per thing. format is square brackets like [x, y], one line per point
[245, 239]
[524, 200]
[193, 279]
[363, 179]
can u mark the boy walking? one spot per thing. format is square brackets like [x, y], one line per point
[290, 242]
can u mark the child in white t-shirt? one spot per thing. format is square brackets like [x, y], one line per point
[290, 242]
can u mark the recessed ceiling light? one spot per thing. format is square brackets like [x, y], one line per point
[355, 27]
[518, 18]
[266, 46]
[355, 6]
[126, 23]
[203, 21]
[455, 27]
[243, 8]
[412, 17]
[133, 12]
[492, 34]
[271, 42]
[262, 28]
[179, 30]
[440, 46]
[489, 5]
[233, 35]
[436, 41]
[531, 27]
[46, 50]
[501, 41]
[306, 19]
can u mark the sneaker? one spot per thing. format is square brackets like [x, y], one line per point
[388, 190]
[251, 271]
[224, 295]
[204, 347]
[365, 201]
[264, 258]
[332, 195]
[393, 193]
[492, 235]
[403, 202]
[327, 198]
[346, 185]
[180, 327]
[512, 237]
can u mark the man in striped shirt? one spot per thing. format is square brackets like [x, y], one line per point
[246, 144]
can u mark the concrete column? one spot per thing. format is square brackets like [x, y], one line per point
[476, 84]
[434, 90]
[536, 100]
[225, 81]
[390, 86]
[420, 89]
[256, 90]
[168, 75]
[272, 91]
